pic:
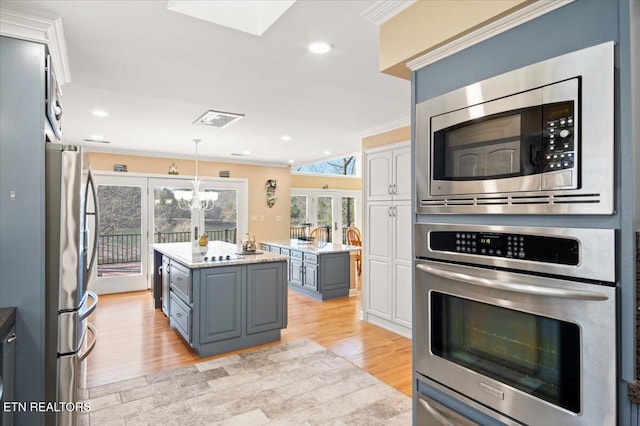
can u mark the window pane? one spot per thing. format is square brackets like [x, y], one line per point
[221, 222]
[345, 166]
[298, 210]
[171, 223]
[325, 210]
[348, 211]
[119, 234]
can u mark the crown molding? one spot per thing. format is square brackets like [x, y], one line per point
[519, 17]
[381, 11]
[173, 156]
[41, 28]
[386, 127]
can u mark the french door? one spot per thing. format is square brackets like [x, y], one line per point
[137, 211]
[121, 261]
[335, 210]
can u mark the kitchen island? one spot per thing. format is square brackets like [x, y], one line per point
[316, 269]
[219, 300]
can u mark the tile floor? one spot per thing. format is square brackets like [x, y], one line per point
[296, 383]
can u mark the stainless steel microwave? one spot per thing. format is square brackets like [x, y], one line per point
[536, 140]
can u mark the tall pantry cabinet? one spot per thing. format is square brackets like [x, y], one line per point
[387, 238]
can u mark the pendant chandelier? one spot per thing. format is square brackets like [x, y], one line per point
[195, 199]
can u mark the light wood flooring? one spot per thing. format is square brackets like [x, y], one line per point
[135, 339]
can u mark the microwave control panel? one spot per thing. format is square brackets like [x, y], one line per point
[558, 136]
[514, 246]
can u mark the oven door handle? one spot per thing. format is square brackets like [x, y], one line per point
[514, 287]
[435, 413]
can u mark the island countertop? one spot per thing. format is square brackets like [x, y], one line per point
[182, 252]
[313, 247]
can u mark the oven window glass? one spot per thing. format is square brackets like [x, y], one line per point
[536, 354]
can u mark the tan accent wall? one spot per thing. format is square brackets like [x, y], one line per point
[266, 225]
[429, 24]
[392, 136]
[327, 182]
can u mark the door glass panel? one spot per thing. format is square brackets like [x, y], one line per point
[221, 222]
[536, 354]
[348, 215]
[119, 233]
[325, 214]
[172, 223]
[299, 216]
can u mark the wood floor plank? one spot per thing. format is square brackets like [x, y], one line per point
[135, 339]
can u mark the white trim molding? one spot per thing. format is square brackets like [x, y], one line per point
[386, 127]
[381, 11]
[518, 17]
[41, 28]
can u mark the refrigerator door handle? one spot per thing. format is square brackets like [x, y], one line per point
[88, 311]
[86, 353]
[94, 213]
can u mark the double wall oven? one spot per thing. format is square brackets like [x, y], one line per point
[518, 322]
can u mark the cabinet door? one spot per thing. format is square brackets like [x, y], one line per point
[266, 293]
[164, 286]
[378, 181]
[295, 275]
[402, 174]
[402, 293]
[220, 304]
[310, 275]
[379, 249]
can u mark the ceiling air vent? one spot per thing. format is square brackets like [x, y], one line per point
[217, 119]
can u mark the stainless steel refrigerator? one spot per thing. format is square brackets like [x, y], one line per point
[71, 204]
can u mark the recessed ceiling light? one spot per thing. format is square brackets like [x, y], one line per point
[100, 113]
[97, 137]
[319, 47]
[327, 153]
[285, 138]
[246, 152]
[291, 161]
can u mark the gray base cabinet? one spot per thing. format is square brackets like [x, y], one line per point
[224, 308]
[321, 276]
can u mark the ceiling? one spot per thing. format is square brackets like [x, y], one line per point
[156, 71]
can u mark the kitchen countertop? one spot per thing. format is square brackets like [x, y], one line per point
[7, 320]
[313, 247]
[182, 252]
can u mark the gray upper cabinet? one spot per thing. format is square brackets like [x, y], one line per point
[220, 303]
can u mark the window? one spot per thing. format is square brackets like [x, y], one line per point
[343, 166]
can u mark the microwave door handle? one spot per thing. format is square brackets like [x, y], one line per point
[513, 287]
[435, 413]
[94, 213]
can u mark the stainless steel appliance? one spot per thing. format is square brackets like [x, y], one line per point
[68, 269]
[518, 322]
[536, 140]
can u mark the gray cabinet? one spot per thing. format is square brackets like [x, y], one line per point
[266, 298]
[223, 308]
[322, 276]
[164, 284]
[220, 303]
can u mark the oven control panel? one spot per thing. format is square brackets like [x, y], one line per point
[547, 249]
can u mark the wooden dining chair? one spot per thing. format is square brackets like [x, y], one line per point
[354, 238]
[319, 234]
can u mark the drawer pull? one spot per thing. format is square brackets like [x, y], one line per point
[178, 314]
[178, 279]
[11, 338]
